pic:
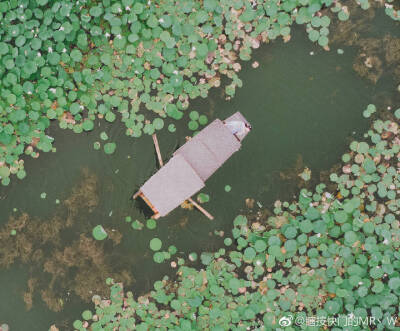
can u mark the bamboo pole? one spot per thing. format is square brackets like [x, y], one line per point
[155, 140]
[201, 209]
[194, 203]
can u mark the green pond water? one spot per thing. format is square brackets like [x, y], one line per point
[298, 104]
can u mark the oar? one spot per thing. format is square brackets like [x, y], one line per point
[155, 140]
[200, 208]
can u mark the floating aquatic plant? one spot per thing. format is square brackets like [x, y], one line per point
[109, 148]
[99, 233]
[137, 225]
[96, 145]
[193, 256]
[172, 249]
[369, 111]
[87, 315]
[171, 127]
[306, 174]
[158, 257]
[203, 197]
[103, 136]
[155, 244]
[151, 224]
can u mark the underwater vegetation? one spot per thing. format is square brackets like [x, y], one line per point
[60, 264]
[330, 253]
[73, 62]
[376, 55]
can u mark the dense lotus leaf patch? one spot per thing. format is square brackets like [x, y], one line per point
[325, 254]
[140, 62]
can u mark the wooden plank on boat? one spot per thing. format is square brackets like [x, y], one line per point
[209, 149]
[171, 185]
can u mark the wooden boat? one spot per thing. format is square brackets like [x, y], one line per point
[191, 165]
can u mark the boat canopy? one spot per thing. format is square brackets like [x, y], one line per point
[191, 165]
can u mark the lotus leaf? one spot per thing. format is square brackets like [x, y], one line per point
[99, 233]
[155, 244]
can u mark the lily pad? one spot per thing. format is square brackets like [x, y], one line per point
[96, 145]
[260, 245]
[136, 225]
[155, 244]
[87, 315]
[99, 233]
[103, 136]
[151, 224]
[202, 197]
[158, 123]
[158, 257]
[193, 125]
[171, 127]
[109, 148]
